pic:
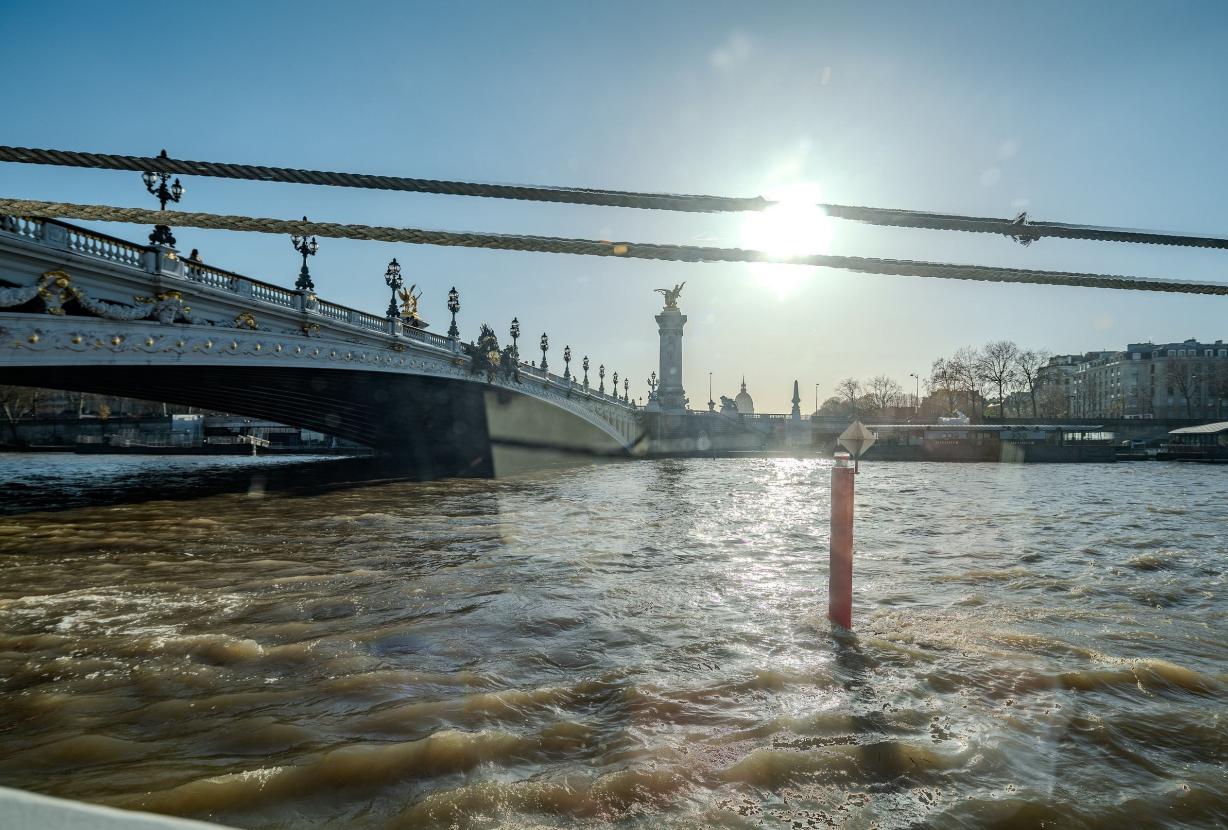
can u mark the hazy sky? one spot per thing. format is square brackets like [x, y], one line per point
[1107, 113]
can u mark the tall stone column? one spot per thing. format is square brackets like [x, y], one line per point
[670, 394]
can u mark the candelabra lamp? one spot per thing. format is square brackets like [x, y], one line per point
[306, 247]
[453, 306]
[392, 278]
[155, 183]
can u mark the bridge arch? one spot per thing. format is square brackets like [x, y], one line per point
[130, 322]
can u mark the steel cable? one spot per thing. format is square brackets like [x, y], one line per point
[593, 247]
[1020, 228]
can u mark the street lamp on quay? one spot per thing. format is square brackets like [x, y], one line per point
[567, 363]
[916, 399]
[453, 306]
[515, 332]
[392, 278]
[155, 183]
[306, 247]
[545, 344]
[585, 366]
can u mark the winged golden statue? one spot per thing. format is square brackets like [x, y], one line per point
[409, 303]
[671, 295]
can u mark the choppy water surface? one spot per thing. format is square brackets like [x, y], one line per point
[631, 645]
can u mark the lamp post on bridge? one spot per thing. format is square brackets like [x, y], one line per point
[567, 363]
[307, 248]
[453, 306]
[601, 375]
[585, 365]
[162, 233]
[545, 344]
[652, 384]
[392, 278]
[515, 332]
[615, 385]
[626, 390]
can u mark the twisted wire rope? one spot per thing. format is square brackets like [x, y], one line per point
[1020, 228]
[594, 247]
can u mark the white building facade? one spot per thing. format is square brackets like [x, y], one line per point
[1147, 380]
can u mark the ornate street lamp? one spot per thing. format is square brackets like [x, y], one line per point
[453, 306]
[567, 363]
[585, 365]
[515, 336]
[162, 233]
[306, 247]
[616, 385]
[626, 390]
[601, 374]
[392, 278]
[652, 384]
[545, 344]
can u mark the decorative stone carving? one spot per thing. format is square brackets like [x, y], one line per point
[55, 288]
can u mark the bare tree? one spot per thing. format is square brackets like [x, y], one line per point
[883, 392]
[944, 379]
[1219, 386]
[16, 402]
[832, 406]
[1029, 362]
[997, 367]
[1052, 401]
[850, 389]
[1183, 377]
[965, 367]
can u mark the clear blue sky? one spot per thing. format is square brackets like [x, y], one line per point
[1108, 113]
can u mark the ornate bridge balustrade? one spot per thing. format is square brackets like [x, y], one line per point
[84, 310]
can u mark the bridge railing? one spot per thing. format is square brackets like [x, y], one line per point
[100, 245]
[22, 226]
[571, 385]
[212, 277]
[97, 245]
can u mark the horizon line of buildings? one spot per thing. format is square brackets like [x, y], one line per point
[1158, 380]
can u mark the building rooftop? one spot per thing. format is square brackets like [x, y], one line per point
[1202, 429]
[996, 427]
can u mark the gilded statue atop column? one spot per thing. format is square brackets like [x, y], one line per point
[671, 294]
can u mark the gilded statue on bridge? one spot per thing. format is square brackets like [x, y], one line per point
[409, 306]
[671, 295]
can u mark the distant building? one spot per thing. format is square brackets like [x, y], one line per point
[1146, 380]
[743, 401]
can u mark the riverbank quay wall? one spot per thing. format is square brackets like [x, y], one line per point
[68, 431]
[716, 434]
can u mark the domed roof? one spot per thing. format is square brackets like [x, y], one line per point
[744, 402]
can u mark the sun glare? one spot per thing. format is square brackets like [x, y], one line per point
[794, 226]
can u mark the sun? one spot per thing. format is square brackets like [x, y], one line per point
[794, 226]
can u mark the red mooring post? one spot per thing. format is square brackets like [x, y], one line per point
[840, 567]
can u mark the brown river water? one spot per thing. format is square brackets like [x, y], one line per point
[632, 645]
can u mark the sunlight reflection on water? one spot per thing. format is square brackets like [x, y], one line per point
[640, 644]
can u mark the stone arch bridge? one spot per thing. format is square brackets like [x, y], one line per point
[84, 311]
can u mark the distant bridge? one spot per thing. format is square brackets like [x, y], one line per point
[89, 312]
